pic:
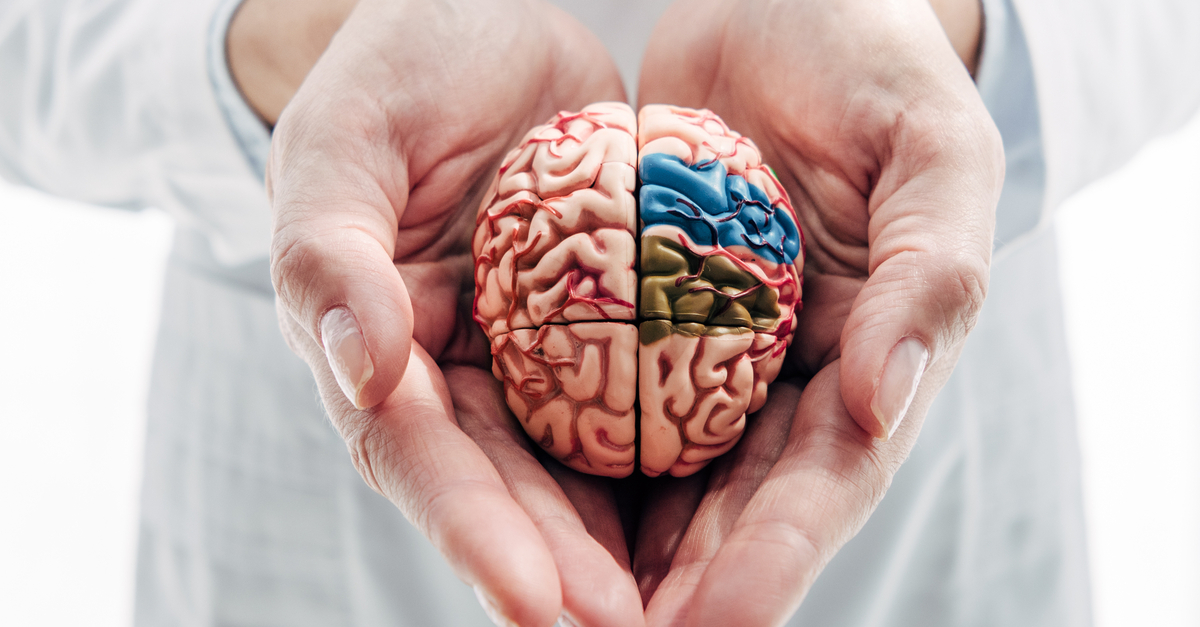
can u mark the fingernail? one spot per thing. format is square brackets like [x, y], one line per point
[565, 620]
[898, 383]
[347, 352]
[489, 608]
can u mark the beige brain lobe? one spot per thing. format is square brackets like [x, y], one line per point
[628, 338]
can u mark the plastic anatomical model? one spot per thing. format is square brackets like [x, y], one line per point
[673, 308]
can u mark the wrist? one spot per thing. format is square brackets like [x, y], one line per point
[272, 44]
[963, 22]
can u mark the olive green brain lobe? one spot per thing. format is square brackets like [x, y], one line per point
[636, 330]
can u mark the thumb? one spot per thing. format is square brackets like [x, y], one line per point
[929, 255]
[332, 267]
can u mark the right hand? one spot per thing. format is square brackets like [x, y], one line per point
[377, 169]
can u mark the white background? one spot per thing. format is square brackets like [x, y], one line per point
[79, 291]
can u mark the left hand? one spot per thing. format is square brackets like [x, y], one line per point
[894, 167]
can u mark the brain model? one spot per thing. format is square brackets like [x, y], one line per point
[677, 306]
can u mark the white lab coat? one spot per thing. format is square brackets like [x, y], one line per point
[251, 511]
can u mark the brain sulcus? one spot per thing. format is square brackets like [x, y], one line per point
[638, 279]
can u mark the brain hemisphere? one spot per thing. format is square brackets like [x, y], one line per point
[576, 331]
[555, 240]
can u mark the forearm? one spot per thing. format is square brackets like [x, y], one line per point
[272, 44]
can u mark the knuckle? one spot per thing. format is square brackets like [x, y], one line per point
[966, 286]
[302, 260]
[292, 260]
[954, 286]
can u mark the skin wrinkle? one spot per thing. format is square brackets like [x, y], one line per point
[811, 449]
[306, 287]
[973, 290]
[479, 188]
[359, 437]
[918, 239]
[353, 187]
[820, 237]
[793, 539]
[440, 52]
[311, 138]
[430, 240]
[360, 430]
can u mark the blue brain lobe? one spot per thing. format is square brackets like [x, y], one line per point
[714, 207]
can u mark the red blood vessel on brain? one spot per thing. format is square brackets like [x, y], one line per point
[673, 309]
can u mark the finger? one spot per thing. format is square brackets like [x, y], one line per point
[597, 589]
[735, 478]
[668, 508]
[596, 505]
[929, 249]
[828, 480]
[409, 449]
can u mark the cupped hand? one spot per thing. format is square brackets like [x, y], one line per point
[377, 167]
[874, 127]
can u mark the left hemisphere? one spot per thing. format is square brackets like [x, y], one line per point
[557, 286]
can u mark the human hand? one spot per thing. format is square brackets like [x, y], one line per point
[378, 164]
[894, 168]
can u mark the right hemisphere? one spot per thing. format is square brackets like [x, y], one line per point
[683, 321]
